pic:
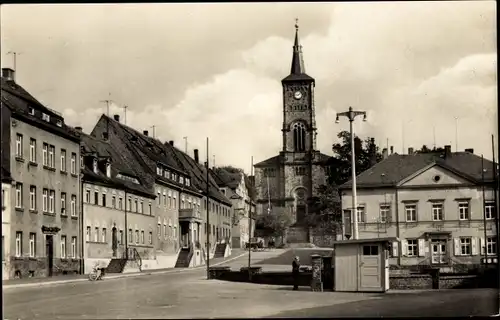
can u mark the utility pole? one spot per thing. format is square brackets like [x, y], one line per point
[125, 114]
[153, 127]
[15, 54]
[208, 219]
[185, 144]
[351, 115]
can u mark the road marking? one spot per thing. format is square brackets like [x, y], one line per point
[53, 283]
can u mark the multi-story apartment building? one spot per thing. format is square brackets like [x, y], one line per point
[118, 208]
[236, 187]
[433, 203]
[6, 213]
[44, 158]
[174, 178]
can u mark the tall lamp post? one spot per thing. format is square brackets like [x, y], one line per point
[351, 115]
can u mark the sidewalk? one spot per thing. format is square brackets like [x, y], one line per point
[34, 282]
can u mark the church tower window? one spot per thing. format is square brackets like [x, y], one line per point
[299, 137]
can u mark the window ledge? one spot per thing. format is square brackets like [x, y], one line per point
[32, 258]
[34, 164]
[19, 209]
[19, 159]
[63, 215]
[74, 217]
[34, 211]
[49, 213]
[49, 168]
[63, 172]
[74, 175]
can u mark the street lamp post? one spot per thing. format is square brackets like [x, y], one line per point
[351, 115]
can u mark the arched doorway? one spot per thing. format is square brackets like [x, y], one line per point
[300, 195]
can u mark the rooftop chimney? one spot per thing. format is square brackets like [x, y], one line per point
[392, 149]
[116, 117]
[385, 153]
[171, 142]
[196, 156]
[79, 129]
[9, 74]
[410, 151]
[469, 150]
[447, 151]
[145, 132]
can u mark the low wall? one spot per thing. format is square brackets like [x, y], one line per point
[272, 277]
[424, 281]
[25, 267]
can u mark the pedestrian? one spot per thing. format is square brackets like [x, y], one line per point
[295, 272]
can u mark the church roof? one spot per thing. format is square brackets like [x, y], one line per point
[268, 162]
[297, 70]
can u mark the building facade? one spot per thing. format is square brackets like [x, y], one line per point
[288, 181]
[6, 216]
[433, 203]
[44, 165]
[118, 210]
[178, 182]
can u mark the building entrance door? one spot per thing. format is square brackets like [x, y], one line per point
[49, 250]
[438, 248]
[114, 241]
[370, 272]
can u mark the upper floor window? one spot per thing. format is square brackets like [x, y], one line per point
[19, 145]
[95, 165]
[361, 214]
[188, 182]
[463, 210]
[300, 171]
[31, 111]
[181, 180]
[411, 212]
[299, 136]
[73, 163]
[32, 150]
[63, 160]
[489, 210]
[437, 212]
[59, 123]
[45, 117]
[385, 211]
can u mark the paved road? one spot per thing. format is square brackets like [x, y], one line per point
[188, 294]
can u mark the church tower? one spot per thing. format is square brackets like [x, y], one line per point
[299, 124]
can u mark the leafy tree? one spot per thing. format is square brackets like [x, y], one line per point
[274, 223]
[325, 210]
[367, 153]
[425, 149]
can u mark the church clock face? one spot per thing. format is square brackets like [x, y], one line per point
[297, 95]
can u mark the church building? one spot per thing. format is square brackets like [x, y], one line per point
[288, 180]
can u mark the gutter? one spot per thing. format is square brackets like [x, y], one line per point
[400, 249]
[82, 240]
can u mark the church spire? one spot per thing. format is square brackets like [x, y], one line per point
[297, 59]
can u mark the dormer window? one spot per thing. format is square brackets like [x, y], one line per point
[95, 165]
[108, 170]
[31, 111]
[159, 170]
[45, 117]
[167, 174]
[188, 182]
[59, 123]
[181, 180]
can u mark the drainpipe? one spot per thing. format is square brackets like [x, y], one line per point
[126, 226]
[82, 239]
[400, 249]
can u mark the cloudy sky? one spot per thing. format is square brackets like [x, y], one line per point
[420, 69]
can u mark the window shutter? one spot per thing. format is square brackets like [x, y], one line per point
[365, 215]
[421, 247]
[404, 248]
[457, 246]
[395, 251]
[474, 246]
[482, 245]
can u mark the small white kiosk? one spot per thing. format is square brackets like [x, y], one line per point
[362, 265]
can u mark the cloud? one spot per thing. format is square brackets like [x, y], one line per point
[413, 66]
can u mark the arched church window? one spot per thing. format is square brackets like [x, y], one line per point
[299, 136]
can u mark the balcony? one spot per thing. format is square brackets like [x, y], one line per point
[189, 214]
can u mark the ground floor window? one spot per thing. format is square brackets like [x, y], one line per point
[491, 245]
[465, 246]
[412, 248]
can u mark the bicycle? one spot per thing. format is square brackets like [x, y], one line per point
[97, 273]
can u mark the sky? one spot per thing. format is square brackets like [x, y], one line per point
[425, 72]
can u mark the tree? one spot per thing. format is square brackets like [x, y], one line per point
[275, 223]
[367, 154]
[325, 210]
[424, 149]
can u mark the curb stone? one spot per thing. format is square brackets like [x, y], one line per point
[119, 276]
